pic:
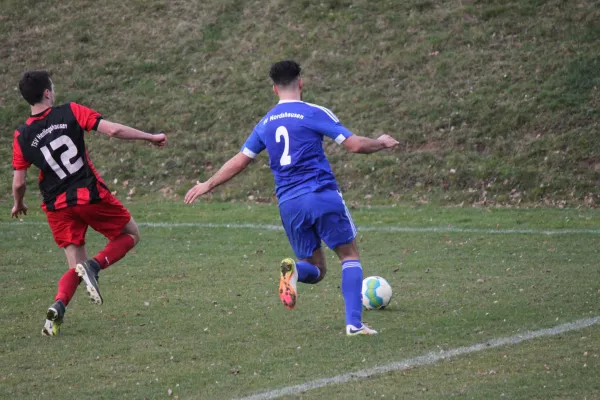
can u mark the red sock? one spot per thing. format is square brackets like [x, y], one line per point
[67, 286]
[115, 250]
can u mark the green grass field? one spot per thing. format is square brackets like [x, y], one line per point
[494, 102]
[194, 308]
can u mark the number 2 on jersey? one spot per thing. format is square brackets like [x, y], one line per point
[282, 131]
[65, 157]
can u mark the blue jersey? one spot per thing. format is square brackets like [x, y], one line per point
[292, 132]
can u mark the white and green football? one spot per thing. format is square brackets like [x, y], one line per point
[376, 293]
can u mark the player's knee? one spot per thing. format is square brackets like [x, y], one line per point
[134, 232]
[136, 237]
[132, 229]
[347, 252]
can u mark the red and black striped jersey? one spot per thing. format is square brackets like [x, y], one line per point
[53, 141]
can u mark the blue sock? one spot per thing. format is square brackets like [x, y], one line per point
[307, 272]
[352, 277]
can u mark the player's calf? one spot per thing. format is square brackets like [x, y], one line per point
[322, 273]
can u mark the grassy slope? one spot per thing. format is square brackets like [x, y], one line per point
[506, 93]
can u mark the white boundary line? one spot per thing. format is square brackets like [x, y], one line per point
[364, 228]
[427, 359]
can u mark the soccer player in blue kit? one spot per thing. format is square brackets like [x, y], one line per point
[310, 204]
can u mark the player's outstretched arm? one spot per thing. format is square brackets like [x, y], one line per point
[18, 188]
[124, 132]
[365, 145]
[231, 168]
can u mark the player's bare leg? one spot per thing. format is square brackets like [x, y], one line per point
[318, 260]
[66, 289]
[75, 255]
[132, 230]
[352, 288]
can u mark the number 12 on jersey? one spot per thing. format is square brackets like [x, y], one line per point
[282, 132]
[65, 157]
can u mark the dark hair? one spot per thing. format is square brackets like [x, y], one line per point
[33, 84]
[284, 72]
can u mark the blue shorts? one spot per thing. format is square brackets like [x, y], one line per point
[316, 216]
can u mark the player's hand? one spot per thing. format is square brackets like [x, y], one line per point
[18, 209]
[195, 192]
[388, 141]
[159, 139]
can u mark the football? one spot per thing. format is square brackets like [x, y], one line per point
[376, 293]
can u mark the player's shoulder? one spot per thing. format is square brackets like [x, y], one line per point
[75, 107]
[260, 126]
[68, 108]
[263, 123]
[23, 129]
[65, 106]
[72, 106]
[322, 112]
[20, 129]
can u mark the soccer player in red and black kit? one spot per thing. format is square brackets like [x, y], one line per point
[74, 195]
